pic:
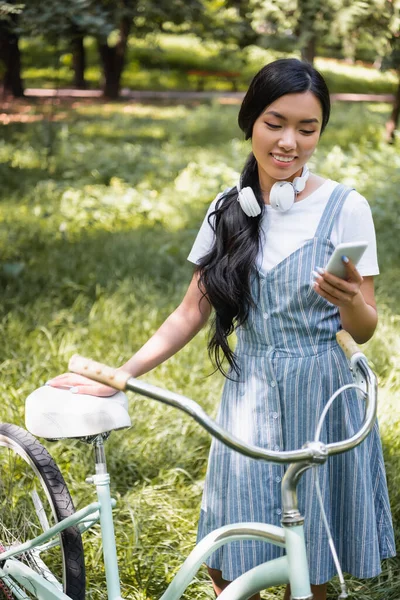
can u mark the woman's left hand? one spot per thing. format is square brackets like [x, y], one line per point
[341, 292]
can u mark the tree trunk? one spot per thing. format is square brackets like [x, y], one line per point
[113, 61]
[308, 50]
[305, 29]
[79, 62]
[11, 57]
[393, 122]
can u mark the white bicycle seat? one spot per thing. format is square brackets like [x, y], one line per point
[55, 413]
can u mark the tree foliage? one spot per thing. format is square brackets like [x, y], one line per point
[306, 26]
[318, 23]
[392, 60]
[228, 21]
[305, 22]
[7, 9]
[370, 21]
[59, 21]
[110, 22]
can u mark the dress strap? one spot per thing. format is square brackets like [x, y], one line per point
[332, 210]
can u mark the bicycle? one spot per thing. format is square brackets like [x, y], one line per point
[46, 513]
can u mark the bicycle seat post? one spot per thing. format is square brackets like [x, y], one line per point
[101, 480]
[100, 455]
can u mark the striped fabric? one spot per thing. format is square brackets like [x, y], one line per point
[290, 365]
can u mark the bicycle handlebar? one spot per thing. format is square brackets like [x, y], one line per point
[313, 452]
[347, 343]
[116, 378]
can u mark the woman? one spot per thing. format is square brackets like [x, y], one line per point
[259, 259]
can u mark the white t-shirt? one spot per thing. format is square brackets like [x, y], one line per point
[285, 232]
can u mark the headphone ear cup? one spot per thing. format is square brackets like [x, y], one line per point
[249, 202]
[282, 196]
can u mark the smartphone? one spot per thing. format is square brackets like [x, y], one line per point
[353, 250]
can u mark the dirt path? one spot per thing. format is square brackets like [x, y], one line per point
[223, 97]
[20, 109]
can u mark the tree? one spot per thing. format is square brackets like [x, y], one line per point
[377, 22]
[393, 61]
[318, 23]
[112, 48]
[307, 30]
[111, 22]
[9, 49]
[64, 25]
[304, 22]
[138, 17]
[227, 21]
[78, 57]
[363, 21]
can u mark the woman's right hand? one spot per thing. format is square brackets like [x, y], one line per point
[78, 384]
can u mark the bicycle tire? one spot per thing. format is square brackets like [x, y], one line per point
[34, 496]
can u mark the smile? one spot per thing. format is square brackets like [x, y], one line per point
[285, 159]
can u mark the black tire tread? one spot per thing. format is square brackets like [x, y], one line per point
[63, 504]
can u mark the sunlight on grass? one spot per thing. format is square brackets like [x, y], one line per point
[380, 107]
[141, 110]
[356, 71]
[101, 222]
[47, 77]
[163, 62]
[179, 43]
[150, 131]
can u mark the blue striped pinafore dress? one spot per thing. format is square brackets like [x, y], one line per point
[290, 365]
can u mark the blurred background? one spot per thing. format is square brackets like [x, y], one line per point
[118, 127]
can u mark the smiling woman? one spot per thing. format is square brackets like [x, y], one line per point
[254, 264]
[255, 260]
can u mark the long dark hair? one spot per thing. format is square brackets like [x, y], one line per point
[226, 271]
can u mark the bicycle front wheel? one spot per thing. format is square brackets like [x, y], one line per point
[33, 497]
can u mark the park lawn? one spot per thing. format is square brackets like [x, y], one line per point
[165, 62]
[98, 208]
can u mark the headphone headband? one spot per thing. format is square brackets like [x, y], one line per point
[282, 194]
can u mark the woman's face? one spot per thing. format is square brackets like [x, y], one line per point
[284, 137]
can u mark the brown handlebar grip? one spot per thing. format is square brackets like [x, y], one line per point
[347, 343]
[115, 378]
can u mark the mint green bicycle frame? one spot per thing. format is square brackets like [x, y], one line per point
[273, 573]
[291, 568]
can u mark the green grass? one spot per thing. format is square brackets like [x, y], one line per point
[163, 62]
[94, 238]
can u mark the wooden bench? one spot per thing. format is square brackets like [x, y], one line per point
[201, 77]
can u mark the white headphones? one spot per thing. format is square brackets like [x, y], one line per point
[282, 195]
[248, 201]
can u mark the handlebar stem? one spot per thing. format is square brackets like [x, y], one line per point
[291, 513]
